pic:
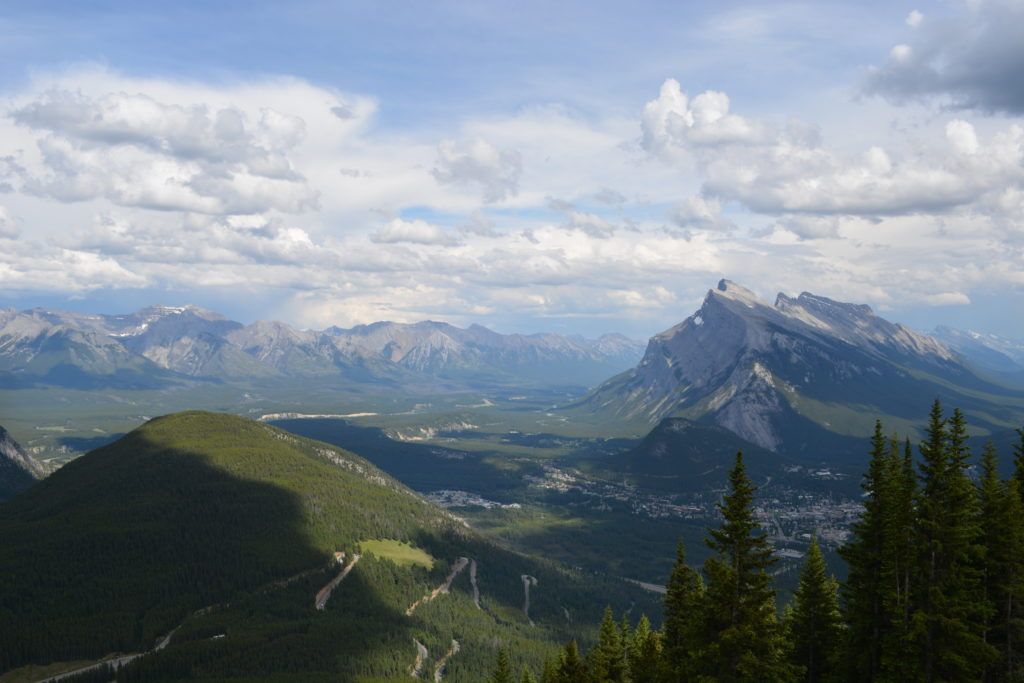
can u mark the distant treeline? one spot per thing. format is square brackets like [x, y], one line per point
[934, 590]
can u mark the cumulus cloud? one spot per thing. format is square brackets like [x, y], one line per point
[479, 163]
[135, 150]
[972, 60]
[788, 171]
[673, 121]
[415, 231]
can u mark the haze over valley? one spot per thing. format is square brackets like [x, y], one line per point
[551, 342]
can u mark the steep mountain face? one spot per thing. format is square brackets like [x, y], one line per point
[806, 375]
[18, 470]
[988, 351]
[208, 540]
[163, 344]
[66, 350]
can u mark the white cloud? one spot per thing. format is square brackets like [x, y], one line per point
[481, 163]
[414, 232]
[673, 121]
[786, 171]
[914, 19]
[183, 154]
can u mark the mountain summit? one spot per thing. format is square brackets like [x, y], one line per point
[805, 374]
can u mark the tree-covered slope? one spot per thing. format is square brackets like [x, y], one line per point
[199, 510]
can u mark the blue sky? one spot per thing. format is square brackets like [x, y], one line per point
[580, 167]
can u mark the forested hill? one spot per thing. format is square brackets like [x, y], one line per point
[220, 531]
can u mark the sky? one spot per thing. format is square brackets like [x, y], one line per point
[576, 167]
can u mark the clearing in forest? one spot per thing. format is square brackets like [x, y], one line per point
[399, 552]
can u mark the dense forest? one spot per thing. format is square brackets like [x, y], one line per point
[935, 589]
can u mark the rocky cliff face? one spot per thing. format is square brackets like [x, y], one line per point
[18, 470]
[775, 374]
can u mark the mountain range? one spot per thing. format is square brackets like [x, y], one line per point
[806, 376]
[161, 345]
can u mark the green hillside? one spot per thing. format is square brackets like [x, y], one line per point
[222, 530]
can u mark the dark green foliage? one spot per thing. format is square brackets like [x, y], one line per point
[863, 593]
[571, 667]
[608, 658]
[814, 624]
[742, 633]
[201, 510]
[502, 669]
[947, 629]
[644, 653]
[684, 621]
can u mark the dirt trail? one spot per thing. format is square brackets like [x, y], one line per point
[441, 663]
[457, 568]
[421, 656]
[527, 582]
[472, 580]
[325, 593]
[119, 661]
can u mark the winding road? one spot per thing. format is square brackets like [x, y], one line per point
[457, 568]
[325, 593]
[441, 663]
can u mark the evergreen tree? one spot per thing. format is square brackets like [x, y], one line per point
[744, 639]
[527, 677]
[814, 624]
[1018, 461]
[864, 612]
[607, 659]
[1002, 534]
[948, 626]
[572, 668]
[502, 668]
[644, 651]
[684, 609]
[1009, 603]
[550, 672]
[898, 559]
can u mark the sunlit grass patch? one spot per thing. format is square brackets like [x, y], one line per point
[399, 552]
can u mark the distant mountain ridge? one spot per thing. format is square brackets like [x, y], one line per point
[161, 344]
[805, 376]
[988, 351]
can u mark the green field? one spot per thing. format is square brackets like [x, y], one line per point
[399, 552]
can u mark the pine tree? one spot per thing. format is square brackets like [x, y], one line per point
[814, 624]
[572, 668]
[502, 668]
[1010, 597]
[744, 639]
[527, 677]
[948, 626]
[991, 506]
[864, 611]
[607, 659]
[898, 558]
[644, 651]
[549, 674]
[1002, 533]
[684, 609]
[1018, 461]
